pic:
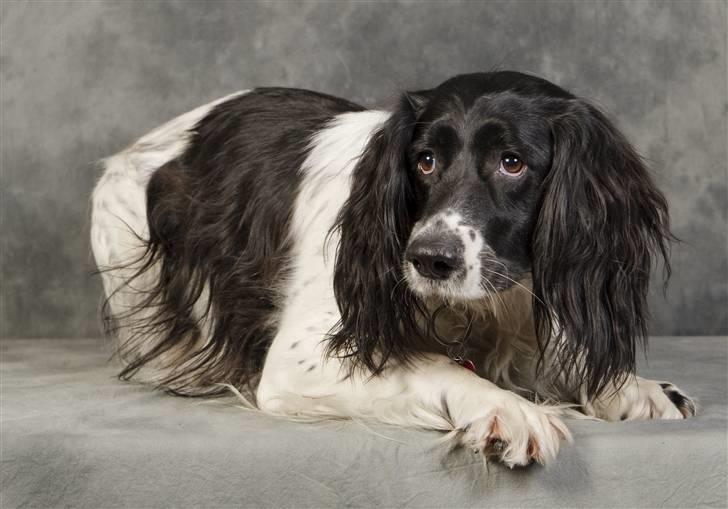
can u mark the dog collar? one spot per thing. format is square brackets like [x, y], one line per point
[466, 363]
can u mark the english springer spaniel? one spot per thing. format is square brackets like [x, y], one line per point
[473, 259]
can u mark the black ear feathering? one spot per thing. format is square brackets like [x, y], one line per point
[601, 224]
[378, 313]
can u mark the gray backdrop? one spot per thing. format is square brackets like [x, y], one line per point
[80, 80]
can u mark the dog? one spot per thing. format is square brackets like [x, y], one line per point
[473, 259]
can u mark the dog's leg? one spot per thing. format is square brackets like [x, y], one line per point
[640, 398]
[636, 398]
[434, 392]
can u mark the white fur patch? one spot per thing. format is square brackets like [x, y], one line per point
[310, 310]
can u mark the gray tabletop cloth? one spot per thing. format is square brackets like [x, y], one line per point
[74, 436]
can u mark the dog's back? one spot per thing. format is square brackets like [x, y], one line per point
[207, 193]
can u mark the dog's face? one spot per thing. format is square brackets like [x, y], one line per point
[488, 178]
[479, 155]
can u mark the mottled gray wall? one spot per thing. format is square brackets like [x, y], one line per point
[81, 79]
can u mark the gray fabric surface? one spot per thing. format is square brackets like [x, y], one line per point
[74, 436]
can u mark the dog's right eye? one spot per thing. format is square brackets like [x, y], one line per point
[426, 163]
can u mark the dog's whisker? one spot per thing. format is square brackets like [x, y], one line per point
[514, 282]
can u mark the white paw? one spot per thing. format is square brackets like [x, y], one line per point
[517, 432]
[641, 399]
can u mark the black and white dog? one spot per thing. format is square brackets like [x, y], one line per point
[337, 261]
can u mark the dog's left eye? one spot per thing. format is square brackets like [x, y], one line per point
[511, 164]
[426, 163]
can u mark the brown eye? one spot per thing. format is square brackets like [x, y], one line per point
[512, 165]
[426, 163]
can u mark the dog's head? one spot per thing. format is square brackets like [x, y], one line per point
[484, 181]
[481, 149]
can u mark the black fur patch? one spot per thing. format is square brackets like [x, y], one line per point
[677, 399]
[219, 216]
[601, 225]
[683, 403]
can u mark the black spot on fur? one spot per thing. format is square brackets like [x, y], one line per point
[311, 368]
[677, 399]
[294, 345]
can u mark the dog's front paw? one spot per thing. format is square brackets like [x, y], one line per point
[641, 399]
[517, 432]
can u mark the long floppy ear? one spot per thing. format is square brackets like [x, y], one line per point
[601, 223]
[378, 313]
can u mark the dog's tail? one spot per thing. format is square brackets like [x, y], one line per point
[157, 343]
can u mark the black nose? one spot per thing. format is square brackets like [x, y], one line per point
[434, 260]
